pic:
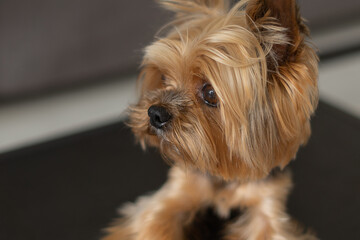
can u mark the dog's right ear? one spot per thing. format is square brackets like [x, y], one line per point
[272, 17]
[195, 7]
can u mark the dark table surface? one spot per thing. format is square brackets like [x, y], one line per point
[70, 188]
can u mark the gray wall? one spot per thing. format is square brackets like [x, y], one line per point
[54, 44]
[46, 44]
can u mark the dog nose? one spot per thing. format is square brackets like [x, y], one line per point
[159, 116]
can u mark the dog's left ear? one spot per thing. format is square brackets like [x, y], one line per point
[266, 16]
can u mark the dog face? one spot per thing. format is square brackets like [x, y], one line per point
[228, 91]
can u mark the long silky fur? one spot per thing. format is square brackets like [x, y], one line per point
[264, 72]
[264, 116]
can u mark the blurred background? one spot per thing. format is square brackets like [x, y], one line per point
[67, 73]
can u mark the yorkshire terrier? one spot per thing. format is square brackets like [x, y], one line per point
[226, 96]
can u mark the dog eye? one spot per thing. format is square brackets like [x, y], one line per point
[163, 78]
[209, 95]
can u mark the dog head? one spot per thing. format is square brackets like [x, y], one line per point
[228, 90]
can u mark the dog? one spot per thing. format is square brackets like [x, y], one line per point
[226, 96]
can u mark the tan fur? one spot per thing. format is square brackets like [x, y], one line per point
[264, 73]
[163, 215]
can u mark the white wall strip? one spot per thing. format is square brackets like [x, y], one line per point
[339, 83]
[31, 122]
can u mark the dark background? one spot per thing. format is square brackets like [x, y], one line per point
[70, 188]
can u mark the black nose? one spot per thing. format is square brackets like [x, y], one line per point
[159, 116]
